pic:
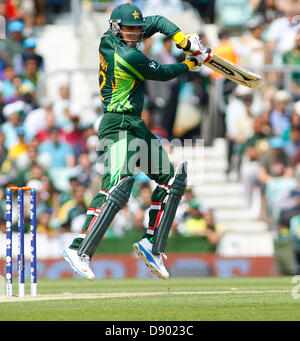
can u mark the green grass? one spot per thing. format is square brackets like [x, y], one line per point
[266, 305]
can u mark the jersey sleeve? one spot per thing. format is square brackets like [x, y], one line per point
[159, 24]
[152, 70]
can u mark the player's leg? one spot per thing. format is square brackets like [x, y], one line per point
[164, 202]
[114, 194]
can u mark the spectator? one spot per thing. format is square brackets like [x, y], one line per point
[281, 32]
[54, 153]
[12, 113]
[72, 209]
[84, 170]
[238, 116]
[242, 126]
[97, 109]
[184, 204]
[292, 146]
[292, 57]
[193, 222]
[30, 52]
[31, 72]
[138, 219]
[13, 46]
[213, 231]
[18, 152]
[289, 204]
[25, 168]
[268, 10]
[225, 49]
[91, 145]
[280, 116]
[252, 48]
[45, 225]
[8, 88]
[250, 152]
[45, 134]
[68, 195]
[202, 224]
[61, 106]
[32, 172]
[49, 194]
[274, 162]
[28, 94]
[75, 135]
[36, 119]
[294, 121]
[144, 199]
[276, 189]
[41, 206]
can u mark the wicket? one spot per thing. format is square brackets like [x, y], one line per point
[21, 250]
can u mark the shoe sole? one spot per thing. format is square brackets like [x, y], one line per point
[81, 274]
[149, 265]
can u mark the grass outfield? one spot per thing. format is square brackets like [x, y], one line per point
[176, 299]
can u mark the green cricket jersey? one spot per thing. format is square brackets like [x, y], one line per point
[124, 69]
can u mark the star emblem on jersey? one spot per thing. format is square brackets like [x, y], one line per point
[136, 15]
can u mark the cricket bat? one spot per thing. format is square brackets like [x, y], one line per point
[233, 72]
[218, 64]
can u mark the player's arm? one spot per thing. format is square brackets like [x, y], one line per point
[160, 24]
[152, 70]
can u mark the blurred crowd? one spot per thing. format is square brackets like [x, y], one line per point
[50, 145]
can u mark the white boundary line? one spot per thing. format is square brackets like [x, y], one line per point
[70, 296]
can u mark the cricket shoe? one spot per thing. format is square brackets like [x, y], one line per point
[154, 263]
[80, 264]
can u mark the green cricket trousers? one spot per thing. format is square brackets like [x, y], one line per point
[125, 145]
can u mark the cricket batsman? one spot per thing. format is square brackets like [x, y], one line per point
[122, 75]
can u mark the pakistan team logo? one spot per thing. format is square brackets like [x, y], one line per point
[136, 15]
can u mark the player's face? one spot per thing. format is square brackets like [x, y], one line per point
[131, 35]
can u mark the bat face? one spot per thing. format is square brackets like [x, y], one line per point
[233, 72]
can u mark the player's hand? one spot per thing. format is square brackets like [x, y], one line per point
[194, 43]
[199, 58]
[191, 43]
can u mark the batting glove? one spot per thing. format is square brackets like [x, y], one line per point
[193, 43]
[199, 58]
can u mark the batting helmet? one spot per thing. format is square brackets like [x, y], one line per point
[126, 15]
